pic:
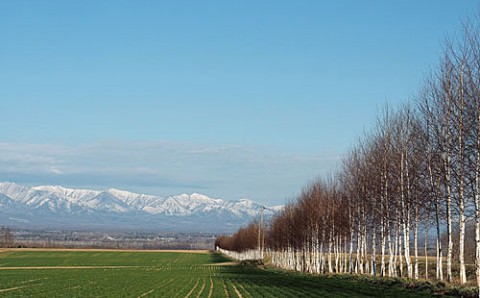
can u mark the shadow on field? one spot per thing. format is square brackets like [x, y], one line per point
[218, 258]
[292, 284]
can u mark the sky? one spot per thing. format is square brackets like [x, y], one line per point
[231, 99]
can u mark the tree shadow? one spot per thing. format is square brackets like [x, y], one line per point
[218, 258]
[307, 285]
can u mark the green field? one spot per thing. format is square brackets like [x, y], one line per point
[165, 274]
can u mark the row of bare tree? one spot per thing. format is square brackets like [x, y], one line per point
[417, 173]
[7, 239]
[244, 239]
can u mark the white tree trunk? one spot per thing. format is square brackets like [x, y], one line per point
[382, 260]
[396, 254]
[425, 244]
[449, 217]
[405, 216]
[461, 164]
[477, 204]
[463, 276]
[415, 242]
[400, 254]
[374, 252]
[391, 253]
[350, 253]
[330, 247]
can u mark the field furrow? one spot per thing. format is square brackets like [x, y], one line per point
[193, 289]
[146, 293]
[202, 288]
[239, 295]
[211, 288]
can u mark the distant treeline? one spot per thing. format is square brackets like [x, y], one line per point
[104, 239]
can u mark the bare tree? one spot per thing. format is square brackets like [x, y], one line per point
[6, 237]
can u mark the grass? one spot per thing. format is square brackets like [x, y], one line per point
[170, 274]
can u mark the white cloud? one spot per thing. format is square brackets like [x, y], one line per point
[55, 170]
[165, 168]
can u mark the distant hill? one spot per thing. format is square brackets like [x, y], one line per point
[64, 208]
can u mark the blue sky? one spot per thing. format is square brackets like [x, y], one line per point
[231, 99]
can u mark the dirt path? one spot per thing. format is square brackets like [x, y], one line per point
[197, 251]
[70, 267]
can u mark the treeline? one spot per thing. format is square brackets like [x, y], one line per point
[244, 239]
[416, 173]
[7, 239]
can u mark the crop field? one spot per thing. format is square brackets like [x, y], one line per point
[90, 273]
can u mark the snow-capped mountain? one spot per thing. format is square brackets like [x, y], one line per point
[59, 207]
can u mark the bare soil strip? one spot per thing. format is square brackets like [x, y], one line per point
[146, 293]
[225, 289]
[201, 290]
[19, 287]
[193, 289]
[211, 288]
[239, 295]
[11, 289]
[32, 280]
[197, 251]
[70, 267]
[223, 264]
[241, 287]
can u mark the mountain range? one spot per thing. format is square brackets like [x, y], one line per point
[58, 207]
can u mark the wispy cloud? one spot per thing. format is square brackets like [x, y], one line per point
[164, 168]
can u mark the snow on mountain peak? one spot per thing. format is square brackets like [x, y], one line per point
[12, 190]
[69, 194]
[58, 201]
[122, 194]
[204, 198]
